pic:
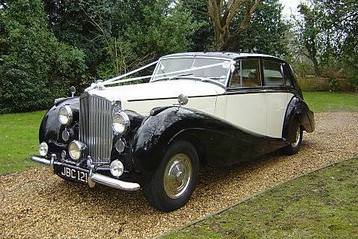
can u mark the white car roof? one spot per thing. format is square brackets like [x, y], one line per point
[227, 55]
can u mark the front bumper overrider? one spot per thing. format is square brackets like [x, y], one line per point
[94, 177]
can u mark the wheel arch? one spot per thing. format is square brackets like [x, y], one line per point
[188, 135]
[297, 114]
[159, 131]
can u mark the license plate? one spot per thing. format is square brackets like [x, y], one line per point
[73, 174]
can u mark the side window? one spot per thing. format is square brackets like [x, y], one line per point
[250, 74]
[272, 73]
[246, 74]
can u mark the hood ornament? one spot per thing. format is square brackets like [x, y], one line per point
[73, 91]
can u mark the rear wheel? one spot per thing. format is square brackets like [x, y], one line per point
[294, 146]
[175, 179]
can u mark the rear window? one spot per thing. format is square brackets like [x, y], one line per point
[273, 75]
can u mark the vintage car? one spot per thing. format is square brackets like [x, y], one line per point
[195, 109]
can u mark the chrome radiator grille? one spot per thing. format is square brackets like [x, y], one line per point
[96, 127]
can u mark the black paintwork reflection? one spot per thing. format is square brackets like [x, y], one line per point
[219, 143]
[51, 129]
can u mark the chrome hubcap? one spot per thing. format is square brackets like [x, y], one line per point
[297, 139]
[177, 175]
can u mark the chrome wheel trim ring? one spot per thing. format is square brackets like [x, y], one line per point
[177, 175]
[297, 139]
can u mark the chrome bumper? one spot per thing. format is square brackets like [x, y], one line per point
[94, 177]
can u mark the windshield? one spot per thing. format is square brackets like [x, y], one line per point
[207, 68]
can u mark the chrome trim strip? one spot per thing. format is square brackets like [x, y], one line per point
[174, 98]
[95, 177]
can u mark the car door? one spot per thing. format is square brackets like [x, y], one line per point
[244, 103]
[277, 95]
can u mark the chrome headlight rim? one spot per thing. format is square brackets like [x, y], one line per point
[67, 117]
[120, 123]
[43, 149]
[75, 149]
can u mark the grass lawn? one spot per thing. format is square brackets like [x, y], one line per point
[322, 204]
[327, 101]
[18, 140]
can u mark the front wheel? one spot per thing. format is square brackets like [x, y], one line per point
[294, 146]
[175, 179]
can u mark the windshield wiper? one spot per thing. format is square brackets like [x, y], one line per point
[187, 75]
[172, 77]
[191, 77]
[202, 79]
[205, 79]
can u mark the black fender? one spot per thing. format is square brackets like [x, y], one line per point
[51, 129]
[297, 114]
[217, 141]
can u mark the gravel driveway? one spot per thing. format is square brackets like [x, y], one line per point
[37, 204]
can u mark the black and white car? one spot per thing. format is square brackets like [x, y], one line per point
[196, 109]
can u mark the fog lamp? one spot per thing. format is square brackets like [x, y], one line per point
[116, 168]
[43, 149]
[75, 149]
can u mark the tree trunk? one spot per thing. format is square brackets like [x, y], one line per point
[316, 66]
[222, 14]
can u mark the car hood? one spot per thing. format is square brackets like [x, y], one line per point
[158, 90]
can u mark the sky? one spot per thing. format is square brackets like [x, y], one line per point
[290, 6]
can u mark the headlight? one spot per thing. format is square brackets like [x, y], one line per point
[43, 149]
[75, 149]
[65, 115]
[120, 122]
[116, 168]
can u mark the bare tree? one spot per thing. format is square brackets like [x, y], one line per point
[223, 14]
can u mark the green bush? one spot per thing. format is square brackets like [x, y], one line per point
[35, 68]
[353, 79]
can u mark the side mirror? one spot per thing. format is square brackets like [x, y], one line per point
[183, 99]
[73, 91]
